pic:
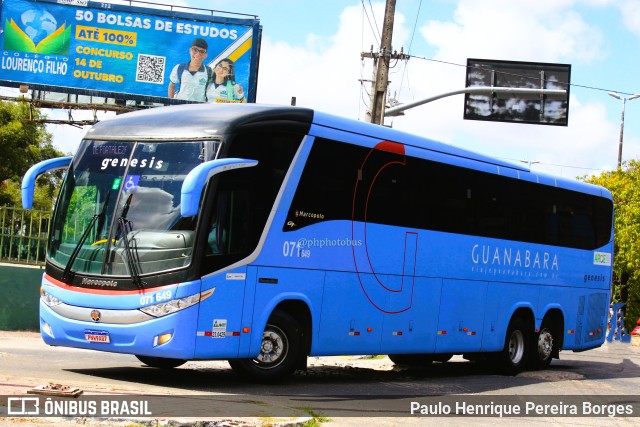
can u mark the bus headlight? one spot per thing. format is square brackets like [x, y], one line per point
[164, 308]
[48, 299]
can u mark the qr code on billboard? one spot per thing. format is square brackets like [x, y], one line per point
[150, 69]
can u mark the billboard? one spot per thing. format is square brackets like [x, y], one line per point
[103, 49]
[532, 108]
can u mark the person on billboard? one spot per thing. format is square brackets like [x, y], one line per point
[191, 78]
[224, 87]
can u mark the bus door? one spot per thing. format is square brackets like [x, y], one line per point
[221, 315]
[227, 242]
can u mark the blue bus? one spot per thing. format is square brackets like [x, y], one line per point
[264, 234]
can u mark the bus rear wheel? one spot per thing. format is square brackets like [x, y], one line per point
[545, 347]
[161, 362]
[280, 351]
[515, 353]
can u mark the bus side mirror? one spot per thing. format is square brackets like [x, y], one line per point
[195, 181]
[29, 180]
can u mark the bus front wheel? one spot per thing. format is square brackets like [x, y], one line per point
[161, 362]
[280, 351]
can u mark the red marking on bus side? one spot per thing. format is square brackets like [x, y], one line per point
[391, 147]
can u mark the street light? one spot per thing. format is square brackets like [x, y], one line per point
[624, 101]
[529, 162]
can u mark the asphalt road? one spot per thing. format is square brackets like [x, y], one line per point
[351, 391]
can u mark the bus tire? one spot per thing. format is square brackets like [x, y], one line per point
[514, 356]
[545, 345]
[161, 362]
[280, 351]
[418, 360]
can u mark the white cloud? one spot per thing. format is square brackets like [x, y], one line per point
[631, 14]
[516, 30]
[323, 73]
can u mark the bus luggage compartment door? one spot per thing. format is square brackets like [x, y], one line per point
[461, 319]
[350, 324]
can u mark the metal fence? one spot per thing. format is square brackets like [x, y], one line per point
[23, 235]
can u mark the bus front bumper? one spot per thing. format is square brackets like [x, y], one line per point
[171, 336]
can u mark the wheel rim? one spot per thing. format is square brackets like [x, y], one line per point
[545, 344]
[274, 348]
[516, 347]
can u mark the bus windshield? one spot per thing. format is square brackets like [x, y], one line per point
[119, 209]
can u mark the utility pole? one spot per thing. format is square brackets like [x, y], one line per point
[381, 61]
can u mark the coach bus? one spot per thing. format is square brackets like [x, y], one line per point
[263, 235]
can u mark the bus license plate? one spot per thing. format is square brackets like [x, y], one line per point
[97, 336]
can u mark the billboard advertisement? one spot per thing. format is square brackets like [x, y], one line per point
[518, 108]
[103, 49]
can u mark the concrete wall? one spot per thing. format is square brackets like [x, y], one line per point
[19, 297]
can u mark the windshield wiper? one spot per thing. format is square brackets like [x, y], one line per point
[125, 227]
[83, 238]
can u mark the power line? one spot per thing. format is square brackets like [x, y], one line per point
[374, 28]
[552, 164]
[413, 33]
[415, 25]
[374, 20]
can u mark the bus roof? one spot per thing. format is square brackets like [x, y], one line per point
[192, 121]
[208, 121]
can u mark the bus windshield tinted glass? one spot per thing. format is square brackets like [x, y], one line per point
[125, 197]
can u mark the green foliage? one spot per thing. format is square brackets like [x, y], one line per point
[43, 197]
[24, 142]
[82, 207]
[316, 419]
[624, 185]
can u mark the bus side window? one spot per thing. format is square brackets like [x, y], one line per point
[216, 237]
[245, 197]
[228, 231]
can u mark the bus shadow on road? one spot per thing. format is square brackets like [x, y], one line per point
[354, 376]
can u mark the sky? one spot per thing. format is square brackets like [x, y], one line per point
[311, 50]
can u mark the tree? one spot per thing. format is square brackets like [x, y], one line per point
[624, 185]
[24, 141]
